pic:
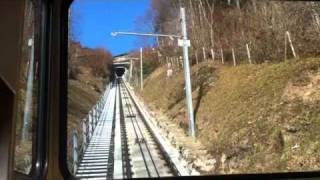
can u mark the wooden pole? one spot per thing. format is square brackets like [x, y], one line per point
[234, 58]
[204, 54]
[212, 55]
[159, 57]
[222, 58]
[197, 60]
[291, 45]
[248, 53]
[285, 46]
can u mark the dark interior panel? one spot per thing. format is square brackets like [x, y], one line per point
[11, 18]
[6, 108]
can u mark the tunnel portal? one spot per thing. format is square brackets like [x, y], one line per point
[119, 71]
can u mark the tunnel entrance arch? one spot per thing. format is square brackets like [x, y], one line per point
[123, 66]
[120, 70]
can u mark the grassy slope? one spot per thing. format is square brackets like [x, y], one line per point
[251, 117]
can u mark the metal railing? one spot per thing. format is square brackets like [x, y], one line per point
[87, 127]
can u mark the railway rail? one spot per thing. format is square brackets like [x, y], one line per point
[146, 158]
[122, 144]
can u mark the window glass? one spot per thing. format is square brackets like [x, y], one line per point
[88, 73]
[27, 100]
[232, 86]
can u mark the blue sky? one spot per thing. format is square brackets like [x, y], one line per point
[96, 19]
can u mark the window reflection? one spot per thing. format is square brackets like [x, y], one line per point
[27, 95]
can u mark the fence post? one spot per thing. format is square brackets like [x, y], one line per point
[178, 63]
[84, 137]
[175, 63]
[291, 45]
[92, 123]
[197, 60]
[234, 58]
[204, 54]
[159, 56]
[212, 55]
[248, 53]
[222, 59]
[285, 46]
[87, 122]
[99, 109]
[75, 152]
[95, 116]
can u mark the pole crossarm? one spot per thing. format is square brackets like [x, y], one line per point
[146, 34]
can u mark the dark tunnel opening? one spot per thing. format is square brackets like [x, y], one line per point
[119, 71]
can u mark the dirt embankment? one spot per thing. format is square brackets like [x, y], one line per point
[83, 94]
[250, 118]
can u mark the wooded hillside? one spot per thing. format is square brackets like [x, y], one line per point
[263, 31]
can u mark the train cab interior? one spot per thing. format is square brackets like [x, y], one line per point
[31, 30]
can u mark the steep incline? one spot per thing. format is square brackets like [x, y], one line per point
[251, 118]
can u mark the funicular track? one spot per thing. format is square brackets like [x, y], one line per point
[146, 157]
[122, 145]
[97, 160]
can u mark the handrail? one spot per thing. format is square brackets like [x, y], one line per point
[87, 127]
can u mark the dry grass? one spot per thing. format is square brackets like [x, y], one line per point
[83, 94]
[244, 116]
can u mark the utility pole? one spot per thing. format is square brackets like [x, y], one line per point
[187, 75]
[141, 70]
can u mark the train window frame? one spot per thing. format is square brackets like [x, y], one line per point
[42, 13]
[66, 4]
[64, 29]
